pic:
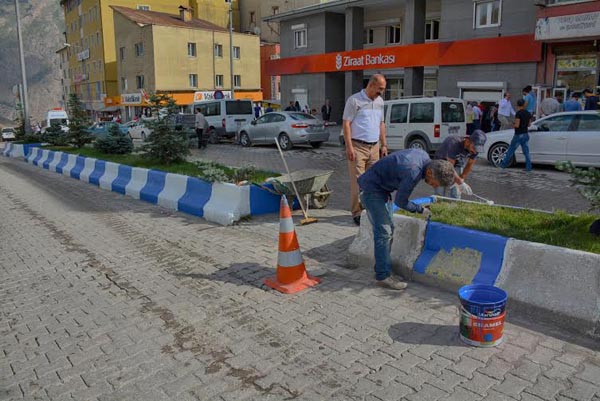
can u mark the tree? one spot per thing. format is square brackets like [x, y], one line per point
[55, 136]
[78, 122]
[165, 143]
[20, 123]
[588, 185]
[115, 142]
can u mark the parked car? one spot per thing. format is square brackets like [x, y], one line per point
[573, 136]
[289, 127]
[103, 127]
[8, 134]
[140, 131]
[225, 116]
[422, 122]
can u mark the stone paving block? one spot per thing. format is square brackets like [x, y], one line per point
[462, 394]
[466, 366]
[496, 368]
[427, 393]
[447, 381]
[543, 355]
[416, 378]
[512, 386]
[480, 383]
[407, 362]
[590, 373]
[527, 370]
[580, 390]
[560, 371]
[546, 388]
[435, 364]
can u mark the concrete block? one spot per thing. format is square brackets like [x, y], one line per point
[562, 284]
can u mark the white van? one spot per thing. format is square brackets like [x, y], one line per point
[225, 116]
[423, 122]
[57, 116]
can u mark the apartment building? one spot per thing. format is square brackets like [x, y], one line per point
[180, 56]
[90, 41]
[475, 49]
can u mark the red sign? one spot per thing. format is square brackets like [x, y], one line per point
[508, 49]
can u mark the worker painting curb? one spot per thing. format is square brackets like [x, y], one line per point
[556, 284]
[220, 203]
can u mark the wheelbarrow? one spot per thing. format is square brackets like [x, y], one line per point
[310, 184]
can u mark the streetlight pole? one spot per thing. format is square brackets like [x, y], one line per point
[25, 102]
[231, 48]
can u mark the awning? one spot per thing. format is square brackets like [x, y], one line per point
[110, 109]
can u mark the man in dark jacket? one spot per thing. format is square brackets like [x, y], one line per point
[326, 111]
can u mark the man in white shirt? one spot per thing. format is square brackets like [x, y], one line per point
[476, 116]
[506, 112]
[364, 134]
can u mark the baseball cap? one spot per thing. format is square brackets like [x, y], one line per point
[478, 138]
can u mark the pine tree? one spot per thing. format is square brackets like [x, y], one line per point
[20, 123]
[78, 122]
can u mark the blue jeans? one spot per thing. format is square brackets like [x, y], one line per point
[522, 140]
[380, 210]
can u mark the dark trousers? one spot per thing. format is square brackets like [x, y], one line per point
[201, 143]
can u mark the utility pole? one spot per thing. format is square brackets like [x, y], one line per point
[231, 47]
[24, 101]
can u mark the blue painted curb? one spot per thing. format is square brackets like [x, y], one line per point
[64, 159]
[154, 185]
[123, 178]
[196, 196]
[98, 172]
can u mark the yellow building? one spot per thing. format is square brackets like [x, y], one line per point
[180, 55]
[90, 41]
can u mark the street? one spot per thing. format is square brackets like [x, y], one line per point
[109, 298]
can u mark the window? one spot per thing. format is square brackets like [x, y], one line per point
[193, 79]
[124, 84]
[394, 34]
[139, 49]
[453, 112]
[98, 39]
[143, 7]
[210, 109]
[237, 81]
[238, 107]
[252, 17]
[98, 91]
[121, 53]
[139, 81]
[300, 39]
[218, 50]
[275, 10]
[421, 113]
[399, 114]
[557, 124]
[487, 13]
[432, 30]
[192, 49]
[368, 36]
[219, 81]
[236, 52]
[588, 122]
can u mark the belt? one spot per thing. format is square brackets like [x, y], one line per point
[365, 142]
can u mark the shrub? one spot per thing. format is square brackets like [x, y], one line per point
[55, 136]
[78, 123]
[586, 181]
[211, 172]
[115, 142]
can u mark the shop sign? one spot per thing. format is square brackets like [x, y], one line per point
[83, 55]
[366, 60]
[211, 95]
[577, 63]
[131, 98]
[568, 26]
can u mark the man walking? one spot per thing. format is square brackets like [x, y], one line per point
[401, 172]
[326, 111]
[201, 126]
[530, 100]
[461, 153]
[506, 112]
[364, 133]
[521, 137]
[573, 103]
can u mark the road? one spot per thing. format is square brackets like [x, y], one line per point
[108, 298]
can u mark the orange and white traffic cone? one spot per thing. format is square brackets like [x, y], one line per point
[291, 274]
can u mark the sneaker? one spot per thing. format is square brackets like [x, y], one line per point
[356, 220]
[392, 283]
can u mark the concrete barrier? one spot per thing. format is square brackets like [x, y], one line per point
[139, 176]
[122, 180]
[197, 194]
[78, 167]
[7, 149]
[154, 186]
[32, 155]
[49, 159]
[71, 162]
[89, 164]
[228, 203]
[110, 173]
[174, 188]
[40, 153]
[98, 172]
[57, 158]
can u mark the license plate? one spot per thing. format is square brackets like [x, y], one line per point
[453, 130]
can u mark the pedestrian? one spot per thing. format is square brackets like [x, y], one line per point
[297, 106]
[469, 118]
[521, 136]
[591, 100]
[291, 106]
[326, 110]
[573, 103]
[269, 109]
[364, 135]
[506, 112]
[530, 100]
[401, 171]
[476, 116]
[495, 120]
[201, 126]
[462, 154]
[257, 110]
[549, 106]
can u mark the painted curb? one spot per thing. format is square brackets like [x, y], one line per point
[219, 202]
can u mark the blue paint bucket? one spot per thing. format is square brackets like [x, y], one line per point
[485, 301]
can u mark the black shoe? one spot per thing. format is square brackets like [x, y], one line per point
[356, 220]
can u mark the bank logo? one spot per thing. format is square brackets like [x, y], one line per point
[338, 61]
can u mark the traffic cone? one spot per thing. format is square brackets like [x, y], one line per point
[291, 274]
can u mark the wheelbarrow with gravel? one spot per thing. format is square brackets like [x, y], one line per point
[311, 186]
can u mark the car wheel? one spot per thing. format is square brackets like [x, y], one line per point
[316, 145]
[213, 136]
[418, 143]
[497, 152]
[285, 142]
[245, 139]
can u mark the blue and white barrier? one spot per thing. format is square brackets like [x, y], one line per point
[220, 203]
[18, 150]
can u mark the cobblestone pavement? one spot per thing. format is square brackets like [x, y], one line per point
[108, 298]
[544, 188]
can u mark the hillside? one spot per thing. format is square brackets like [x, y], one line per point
[42, 26]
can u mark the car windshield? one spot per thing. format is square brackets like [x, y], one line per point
[453, 112]
[301, 116]
[59, 121]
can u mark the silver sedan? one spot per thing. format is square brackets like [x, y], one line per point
[288, 127]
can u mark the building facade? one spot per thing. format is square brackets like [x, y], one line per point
[90, 36]
[65, 84]
[179, 55]
[474, 49]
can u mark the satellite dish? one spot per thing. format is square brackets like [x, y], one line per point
[257, 30]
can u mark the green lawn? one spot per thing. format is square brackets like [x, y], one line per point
[136, 160]
[560, 229]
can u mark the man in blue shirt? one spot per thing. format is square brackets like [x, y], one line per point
[591, 100]
[573, 103]
[529, 99]
[401, 172]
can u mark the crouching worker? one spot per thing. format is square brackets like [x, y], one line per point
[401, 172]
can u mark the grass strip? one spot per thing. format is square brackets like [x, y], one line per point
[558, 228]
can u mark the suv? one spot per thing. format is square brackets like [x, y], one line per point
[422, 122]
[8, 134]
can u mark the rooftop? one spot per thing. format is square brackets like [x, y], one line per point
[156, 18]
